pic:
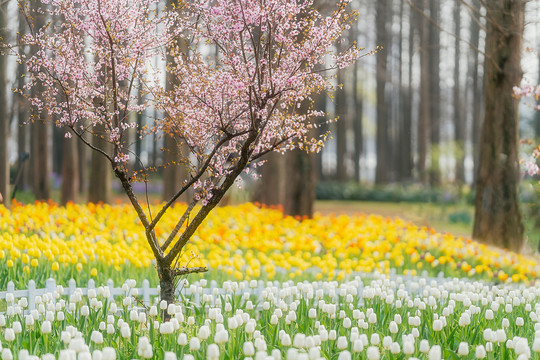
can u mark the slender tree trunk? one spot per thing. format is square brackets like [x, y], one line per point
[497, 213]
[82, 157]
[99, 185]
[320, 105]
[537, 114]
[22, 115]
[435, 97]
[477, 87]
[425, 98]
[406, 163]
[459, 116]
[341, 127]
[57, 149]
[173, 172]
[4, 112]
[70, 171]
[358, 108]
[383, 143]
[39, 156]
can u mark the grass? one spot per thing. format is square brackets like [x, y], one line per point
[441, 217]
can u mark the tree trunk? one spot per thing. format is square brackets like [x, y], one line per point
[173, 173]
[99, 185]
[434, 92]
[497, 213]
[341, 127]
[70, 171]
[459, 116]
[406, 163]
[270, 188]
[382, 168]
[477, 88]
[82, 157]
[357, 110]
[424, 111]
[22, 116]
[537, 114]
[166, 284]
[57, 149]
[320, 105]
[39, 157]
[300, 183]
[4, 112]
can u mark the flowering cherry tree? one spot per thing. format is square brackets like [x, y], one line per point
[229, 111]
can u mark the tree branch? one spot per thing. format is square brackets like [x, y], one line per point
[185, 270]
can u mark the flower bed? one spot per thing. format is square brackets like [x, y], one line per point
[240, 242]
[357, 319]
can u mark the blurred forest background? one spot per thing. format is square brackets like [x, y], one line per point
[407, 141]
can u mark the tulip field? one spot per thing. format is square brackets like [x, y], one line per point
[278, 287]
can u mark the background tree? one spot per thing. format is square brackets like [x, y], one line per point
[4, 109]
[497, 213]
[229, 112]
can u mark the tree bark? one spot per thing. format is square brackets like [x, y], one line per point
[70, 171]
[406, 163]
[477, 87]
[497, 213]
[382, 168]
[22, 116]
[270, 188]
[99, 185]
[434, 92]
[424, 111]
[4, 112]
[300, 183]
[459, 115]
[82, 157]
[341, 126]
[357, 110]
[173, 172]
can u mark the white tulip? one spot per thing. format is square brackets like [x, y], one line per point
[344, 355]
[9, 334]
[387, 342]
[286, 340]
[501, 336]
[342, 343]
[375, 339]
[248, 348]
[194, 344]
[393, 327]
[408, 347]
[125, 331]
[6, 354]
[169, 355]
[212, 353]
[463, 349]
[182, 339]
[109, 353]
[17, 327]
[358, 346]
[424, 346]
[221, 337]
[480, 352]
[84, 355]
[434, 353]
[96, 337]
[395, 348]
[373, 353]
